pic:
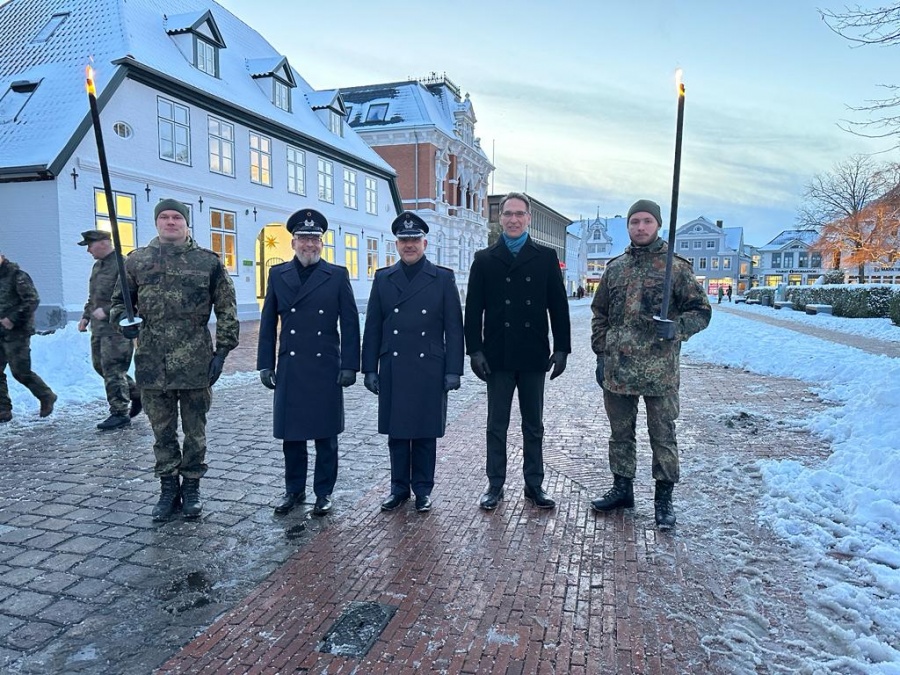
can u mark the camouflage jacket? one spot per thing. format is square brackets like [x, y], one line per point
[174, 289]
[18, 301]
[622, 329]
[104, 276]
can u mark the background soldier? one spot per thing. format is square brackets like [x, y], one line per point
[514, 286]
[175, 285]
[18, 301]
[638, 355]
[412, 356]
[110, 350]
[311, 297]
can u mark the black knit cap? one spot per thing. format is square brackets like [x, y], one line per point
[648, 207]
[172, 205]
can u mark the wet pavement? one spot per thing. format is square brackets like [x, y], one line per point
[89, 584]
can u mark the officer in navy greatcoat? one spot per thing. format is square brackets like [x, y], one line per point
[412, 355]
[311, 297]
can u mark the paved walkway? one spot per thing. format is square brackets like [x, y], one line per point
[89, 584]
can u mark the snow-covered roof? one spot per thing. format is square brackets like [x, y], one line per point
[410, 104]
[806, 237]
[616, 229]
[130, 38]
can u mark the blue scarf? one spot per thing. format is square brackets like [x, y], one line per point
[514, 245]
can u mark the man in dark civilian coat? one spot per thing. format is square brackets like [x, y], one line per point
[412, 355]
[513, 286]
[311, 297]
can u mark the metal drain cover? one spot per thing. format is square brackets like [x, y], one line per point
[356, 629]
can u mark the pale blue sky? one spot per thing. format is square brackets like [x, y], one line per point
[583, 92]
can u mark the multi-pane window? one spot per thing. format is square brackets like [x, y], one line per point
[260, 159]
[223, 237]
[390, 253]
[221, 146]
[350, 188]
[815, 260]
[328, 246]
[802, 259]
[326, 181]
[788, 260]
[205, 57]
[437, 251]
[335, 123]
[351, 255]
[776, 260]
[125, 217]
[702, 263]
[685, 244]
[715, 263]
[174, 124]
[371, 196]
[698, 244]
[726, 263]
[371, 257]
[296, 171]
[281, 95]
[711, 243]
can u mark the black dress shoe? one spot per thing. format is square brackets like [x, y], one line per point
[538, 497]
[394, 502]
[323, 505]
[114, 422]
[490, 499]
[289, 501]
[423, 503]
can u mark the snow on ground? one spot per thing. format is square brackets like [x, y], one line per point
[844, 513]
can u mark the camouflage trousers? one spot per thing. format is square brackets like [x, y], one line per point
[17, 353]
[162, 407]
[662, 411]
[111, 358]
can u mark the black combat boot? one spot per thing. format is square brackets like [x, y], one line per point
[169, 498]
[621, 496]
[662, 502]
[190, 493]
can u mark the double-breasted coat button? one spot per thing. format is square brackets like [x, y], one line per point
[527, 278]
[293, 309]
[396, 309]
[421, 356]
[507, 302]
[319, 354]
[506, 324]
[395, 331]
[424, 311]
[321, 311]
[423, 333]
[292, 353]
[319, 333]
[527, 324]
[508, 279]
[395, 353]
[528, 302]
[293, 332]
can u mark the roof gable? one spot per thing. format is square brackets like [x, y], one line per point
[201, 23]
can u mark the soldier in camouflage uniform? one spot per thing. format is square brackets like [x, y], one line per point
[638, 354]
[175, 285]
[18, 302]
[110, 350]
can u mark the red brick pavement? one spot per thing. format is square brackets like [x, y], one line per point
[518, 590]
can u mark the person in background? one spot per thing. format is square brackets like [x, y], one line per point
[638, 356]
[412, 356]
[175, 285]
[728, 292]
[110, 351]
[18, 301]
[311, 298]
[514, 287]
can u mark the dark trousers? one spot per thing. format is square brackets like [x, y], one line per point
[296, 462]
[662, 411]
[412, 465]
[500, 387]
[162, 407]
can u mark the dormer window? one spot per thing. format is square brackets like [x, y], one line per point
[275, 78]
[206, 57]
[377, 112]
[335, 123]
[198, 38]
[281, 95]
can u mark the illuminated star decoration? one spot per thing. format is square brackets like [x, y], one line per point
[271, 241]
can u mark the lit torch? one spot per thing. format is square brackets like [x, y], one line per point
[667, 281]
[131, 319]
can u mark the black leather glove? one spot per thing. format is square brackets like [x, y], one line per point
[599, 372]
[215, 367]
[131, 331]
[346, 378]
[480, 365]
[665, 329]
[451, 382]
[267, 377]
[370, 381]
[558, 363]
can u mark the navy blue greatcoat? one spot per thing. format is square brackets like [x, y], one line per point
[413, 337]
[508, 304]
[309, 403]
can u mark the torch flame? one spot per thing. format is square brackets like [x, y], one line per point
[89, 74]
[679, 85]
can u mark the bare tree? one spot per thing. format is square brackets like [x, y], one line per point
[854, 207]
[880, 26]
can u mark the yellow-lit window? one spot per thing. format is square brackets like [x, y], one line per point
[328, 246]
[351, 255]
[223, 238]
[124, 205]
